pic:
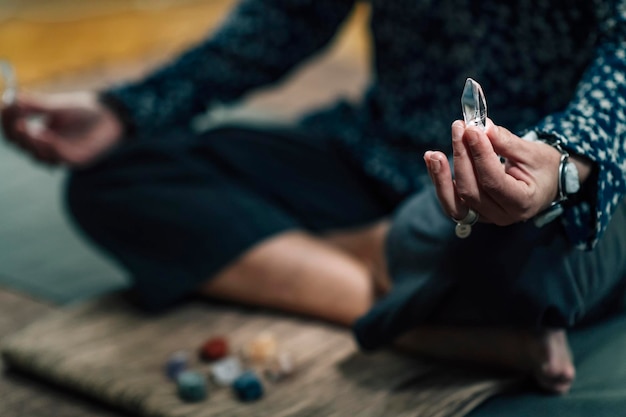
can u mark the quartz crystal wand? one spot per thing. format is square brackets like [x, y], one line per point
[8, 93]
[474, 104]
[474, 108]
[9, 87]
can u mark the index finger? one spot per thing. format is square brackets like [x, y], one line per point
[465, 182]
[8, 117]
[489, 169]
[14, 117]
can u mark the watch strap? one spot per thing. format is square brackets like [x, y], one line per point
[566, 187]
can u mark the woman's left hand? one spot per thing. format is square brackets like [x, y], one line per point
[501, 193]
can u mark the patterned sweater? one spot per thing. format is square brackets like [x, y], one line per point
[557, 67]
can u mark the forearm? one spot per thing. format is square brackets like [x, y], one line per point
[591, 129]
[259, 42]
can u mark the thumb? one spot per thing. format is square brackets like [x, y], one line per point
[25, 104]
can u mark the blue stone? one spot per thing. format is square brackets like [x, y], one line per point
[192, 386]
[176, 363]
[248, 387]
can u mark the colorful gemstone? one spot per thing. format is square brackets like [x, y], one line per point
[192, 386]
[176, 363]
[280, 367]
[261, 349]
[225, 371]
[248, 387]
[214, 349]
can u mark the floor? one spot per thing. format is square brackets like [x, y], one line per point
[40, 252]
[22, 396]
[45, 264]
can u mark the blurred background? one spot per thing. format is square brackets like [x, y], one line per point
[65, 45]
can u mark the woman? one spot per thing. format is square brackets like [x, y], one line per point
[296, 218]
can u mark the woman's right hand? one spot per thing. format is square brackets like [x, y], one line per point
[72, 129]
[502, 194]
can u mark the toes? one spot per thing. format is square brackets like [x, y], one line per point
[556, 371]
[563, 369]
[555, 385]
[556, 377]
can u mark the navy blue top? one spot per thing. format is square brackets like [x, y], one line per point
[557, 67]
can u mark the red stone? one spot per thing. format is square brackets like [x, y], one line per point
[213, 349]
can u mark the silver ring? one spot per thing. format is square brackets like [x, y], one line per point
[470, 218]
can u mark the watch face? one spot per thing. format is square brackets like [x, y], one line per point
[572, 181]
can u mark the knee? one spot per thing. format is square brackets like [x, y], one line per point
[84, 200]
[93, 193]
[420, 237]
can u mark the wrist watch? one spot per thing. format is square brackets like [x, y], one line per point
[569, 184]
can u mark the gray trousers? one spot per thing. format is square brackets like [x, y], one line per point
[518, 275]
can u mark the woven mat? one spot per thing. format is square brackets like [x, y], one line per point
[114, 353]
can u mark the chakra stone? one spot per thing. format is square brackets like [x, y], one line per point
[213, 349]
[192, 386]
[225, 371]
[248, 387]
[474, 104]
[280, 367]
[261, 349]
[176, 363]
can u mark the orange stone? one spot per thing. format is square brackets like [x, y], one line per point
[261, 349]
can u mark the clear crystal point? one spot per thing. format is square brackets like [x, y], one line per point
[8, 85]
[474, 104]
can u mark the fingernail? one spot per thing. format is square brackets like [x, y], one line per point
[457, 131]
[472, 137]
[435, 165]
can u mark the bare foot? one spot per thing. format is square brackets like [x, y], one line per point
[551, 360]
[544, 355]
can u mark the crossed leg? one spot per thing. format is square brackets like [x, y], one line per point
[162, 217]
[298, 273]
[336, 278]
